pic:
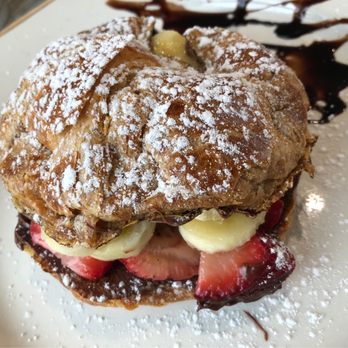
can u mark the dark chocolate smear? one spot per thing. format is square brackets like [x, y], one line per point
[174, 219]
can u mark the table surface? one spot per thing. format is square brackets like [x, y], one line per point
[13, 12]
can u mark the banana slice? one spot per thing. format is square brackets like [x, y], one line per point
[62, 249]
[211, 234]
[170, 43]
[129, 243]
[210, 215]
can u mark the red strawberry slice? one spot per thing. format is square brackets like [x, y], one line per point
[273, 215]
[35, 233]
[167, 256]
[244, 274]
[86, 267]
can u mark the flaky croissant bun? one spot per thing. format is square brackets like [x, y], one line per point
[102, 131]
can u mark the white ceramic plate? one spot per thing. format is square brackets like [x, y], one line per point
[311, 309]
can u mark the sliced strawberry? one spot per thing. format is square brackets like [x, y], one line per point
[35, 234]
[273, 215]
[244, 274]
[86, 267]
[167, 256]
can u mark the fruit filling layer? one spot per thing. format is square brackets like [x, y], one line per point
[236, 258]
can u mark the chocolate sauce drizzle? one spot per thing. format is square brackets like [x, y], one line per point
[258, 325]
[322, 76]
[315, 64]
[296, 28]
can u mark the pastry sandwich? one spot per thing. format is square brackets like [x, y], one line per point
[150, 168]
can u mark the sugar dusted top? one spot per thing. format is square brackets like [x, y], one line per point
[101, 131]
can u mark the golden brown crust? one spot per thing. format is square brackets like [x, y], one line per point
[101, 131]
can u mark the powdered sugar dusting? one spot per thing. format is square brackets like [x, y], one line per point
[69, 85]
[197, 112]
[63, 74]
[227, 53]
[118, 132]
[69, 178]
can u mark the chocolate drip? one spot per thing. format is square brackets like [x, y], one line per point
[239, 14]
[296, 29]
[315, 65]
[258, 325]
[321, 75]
